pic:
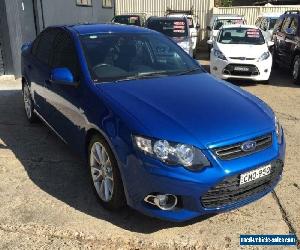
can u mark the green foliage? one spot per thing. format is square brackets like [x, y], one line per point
[226, 3]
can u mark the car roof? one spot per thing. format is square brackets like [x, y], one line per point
[271, 15]
[239, 26]
[229, 17]
[83, 29]
[167, 18]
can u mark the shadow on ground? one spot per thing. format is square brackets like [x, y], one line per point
[56, 170]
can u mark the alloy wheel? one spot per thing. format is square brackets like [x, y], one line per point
[102, 172]
[27, 102]
[296, 69]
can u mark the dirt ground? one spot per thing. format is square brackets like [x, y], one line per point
[47, 201]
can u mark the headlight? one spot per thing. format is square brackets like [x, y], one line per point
[219, 54]
[264, 56]
[278, 129]
[172, 153]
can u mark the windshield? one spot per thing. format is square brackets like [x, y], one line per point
[171, 28]
[115, 57]
[272, 23]
[129, 20]
[223, 22]
[241, 36]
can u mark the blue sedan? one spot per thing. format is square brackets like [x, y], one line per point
[158, 132]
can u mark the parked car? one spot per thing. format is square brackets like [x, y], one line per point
[177, 28]
[193, 23]
[131, 19]
[286, 37]
[266, 23]
[158, 132]
[217, 22]
[241, 52]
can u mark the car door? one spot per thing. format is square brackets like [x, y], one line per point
[68, 118]
[39, 71]
[281, 40]
[291, 40]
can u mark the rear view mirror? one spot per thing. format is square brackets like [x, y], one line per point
[208, 28]
[270, 43]
[63, 76]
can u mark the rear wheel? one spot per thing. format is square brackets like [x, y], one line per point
[105, 175]
[28, 104]
[296, 70]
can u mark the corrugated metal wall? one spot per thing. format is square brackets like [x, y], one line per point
[202, 8]
[252, 12]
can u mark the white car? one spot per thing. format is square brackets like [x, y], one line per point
[241, 52]
[219, 21]
[193, 25]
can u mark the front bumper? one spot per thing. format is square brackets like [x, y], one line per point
[146, 176]
[225, 69]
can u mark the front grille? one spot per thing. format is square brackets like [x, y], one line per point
[229, 191]
[231, 69]
[235, 151]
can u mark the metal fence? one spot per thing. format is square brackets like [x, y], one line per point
[252, 12]
[159, 7]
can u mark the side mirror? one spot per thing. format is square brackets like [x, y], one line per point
[270, 44]
[209, 42]
[63, 76]
[208, 28]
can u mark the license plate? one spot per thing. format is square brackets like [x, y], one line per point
[255, 174]
[241, 69]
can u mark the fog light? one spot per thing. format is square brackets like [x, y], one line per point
[215, 68]
[162, 201]
[266, 70]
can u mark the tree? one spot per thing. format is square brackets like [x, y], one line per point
[223, 3]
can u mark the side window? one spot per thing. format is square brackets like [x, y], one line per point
[286, 24]
[264, 24]
[64, 54]
[294, 25]
[43, 51]
[257, 23]
[278, 24]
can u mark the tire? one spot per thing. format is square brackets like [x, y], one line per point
[266, 82]
[28, 104]
[296, 70]
[105, 175]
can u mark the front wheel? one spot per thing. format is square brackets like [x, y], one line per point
[28, 104]
[296, 70]
[105, 175]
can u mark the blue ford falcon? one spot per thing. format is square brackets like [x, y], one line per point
[158, 132]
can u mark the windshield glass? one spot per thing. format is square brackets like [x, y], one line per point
[129, 20]
[241, 36]
[223, 22]
[122, 56]
[272, 23]
[171, 28]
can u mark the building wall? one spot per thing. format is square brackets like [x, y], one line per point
[252, 12]
[45, 13]
[202, 8]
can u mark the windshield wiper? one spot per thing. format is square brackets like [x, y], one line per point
[142, 75]
[188, 71]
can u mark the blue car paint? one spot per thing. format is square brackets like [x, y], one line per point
[194, 109]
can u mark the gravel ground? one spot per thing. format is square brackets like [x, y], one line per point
[47, 202]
